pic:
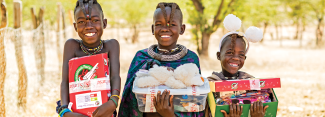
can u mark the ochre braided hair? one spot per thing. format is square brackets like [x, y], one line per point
[174, 7]
[233, 38]
[89, 5]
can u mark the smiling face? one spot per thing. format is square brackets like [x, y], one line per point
[167, 36]
[232, 60]
[90, 31]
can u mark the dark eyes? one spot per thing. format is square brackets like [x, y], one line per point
[160, 25]
[231, 54]
[81, 22]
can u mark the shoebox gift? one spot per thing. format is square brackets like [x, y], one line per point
[89, 85]
[190, 99]
[245, 92]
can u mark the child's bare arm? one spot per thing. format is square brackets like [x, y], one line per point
[68, 53]
[70, 47]
[109, 107]
[114, 55]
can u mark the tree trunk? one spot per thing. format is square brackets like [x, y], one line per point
[205, 44]
[319, 32]
[197, 39]
[301, 32]
[281, 37]
[277, 31]
[264, 31]
[297, 30]
[135, 34]
[118, 31]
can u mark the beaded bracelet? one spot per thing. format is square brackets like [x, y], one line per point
[62, 107]
[64, 111]
[116, 90]
[116, 96]
[114, 101]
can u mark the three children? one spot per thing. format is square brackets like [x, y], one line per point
[167, 27]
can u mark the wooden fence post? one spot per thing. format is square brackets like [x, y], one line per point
[38, 41]
[63, 24]
[2, 58]
[22, 82]
[71, 19]
[58, 35]
[42, 45]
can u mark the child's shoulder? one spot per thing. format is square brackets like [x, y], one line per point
[72, 42]
[192, 54]
[111, 42]
[111, 45]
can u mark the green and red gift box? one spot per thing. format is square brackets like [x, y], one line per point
[244, 84]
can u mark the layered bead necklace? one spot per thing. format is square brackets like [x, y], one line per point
[95, 50]
[165, 51]
[178, 53]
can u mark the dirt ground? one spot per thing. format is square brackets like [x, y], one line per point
[301, 70]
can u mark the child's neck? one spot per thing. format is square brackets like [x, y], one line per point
[227, 74]
[90, 46]
[169, 48]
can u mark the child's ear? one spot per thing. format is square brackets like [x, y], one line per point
[105, 23]
[218, 55]
[182, 29]
[153, 32]
[245, 57]
[75, 26]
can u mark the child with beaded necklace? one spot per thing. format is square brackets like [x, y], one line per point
[232, 55]
[89, 24]
[167, 26]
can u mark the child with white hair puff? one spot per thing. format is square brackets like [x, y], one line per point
[232, 51]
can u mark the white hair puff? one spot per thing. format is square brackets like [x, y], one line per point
[233, 23]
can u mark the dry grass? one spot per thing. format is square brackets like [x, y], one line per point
[301, 71]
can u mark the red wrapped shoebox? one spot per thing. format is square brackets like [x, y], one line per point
[246, 84]
[243, 84]
[89, 85]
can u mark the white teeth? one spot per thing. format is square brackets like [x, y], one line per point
[90, 34]
[233, 65]
[165, 36]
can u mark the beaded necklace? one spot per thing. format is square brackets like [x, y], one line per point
[234, 77]
[167, 51]
[173, 57]
[96, 49]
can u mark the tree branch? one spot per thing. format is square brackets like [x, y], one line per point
[215, 19]
[314, 8]
[198, 5]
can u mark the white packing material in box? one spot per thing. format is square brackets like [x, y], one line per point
[191, 99]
